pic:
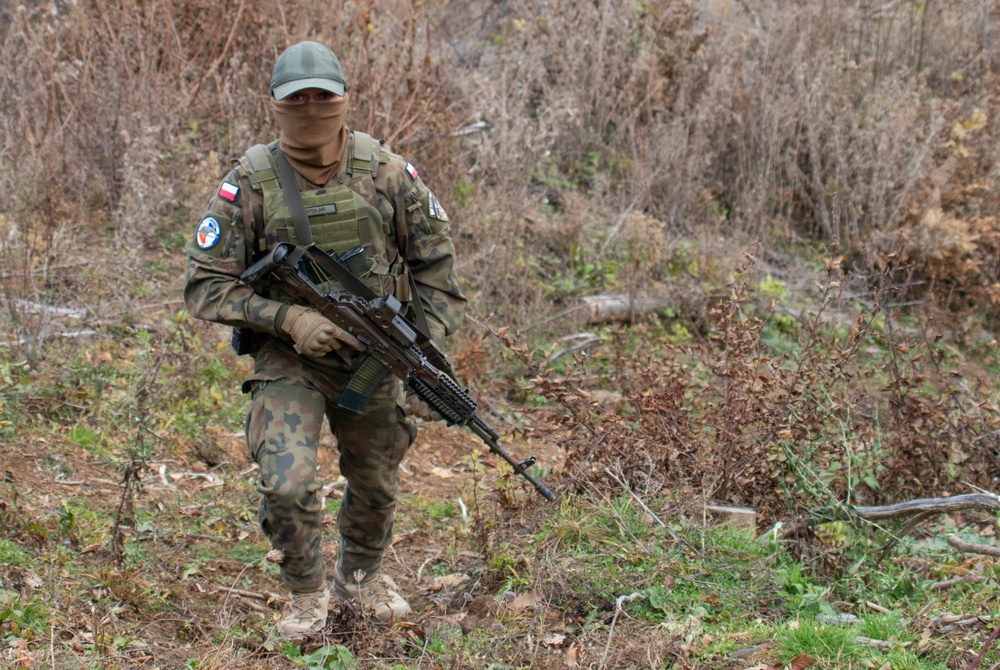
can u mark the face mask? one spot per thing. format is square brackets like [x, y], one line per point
[313, 137]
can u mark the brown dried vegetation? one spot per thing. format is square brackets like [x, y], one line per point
[581, 147]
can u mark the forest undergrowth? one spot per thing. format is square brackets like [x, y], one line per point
[721, 255]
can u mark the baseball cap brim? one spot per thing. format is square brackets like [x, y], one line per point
[284, 90]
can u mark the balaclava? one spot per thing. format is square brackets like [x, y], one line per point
[313, 135]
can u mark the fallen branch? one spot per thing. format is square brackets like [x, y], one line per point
[971, 547]
[950, 504]
[572, 344]
[39, 308]
[922, 505]
[949, 622]
[955, 581]
[611, 631]
[979, 659]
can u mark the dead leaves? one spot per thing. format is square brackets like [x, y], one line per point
[800, 662]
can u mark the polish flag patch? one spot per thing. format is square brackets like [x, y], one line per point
[228, 191]
[412, 170]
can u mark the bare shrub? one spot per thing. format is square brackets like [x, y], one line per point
[836, 419]
[129, 113]
[832, 120]
[829, 121]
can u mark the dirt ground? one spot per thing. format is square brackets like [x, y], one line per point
[195, 588]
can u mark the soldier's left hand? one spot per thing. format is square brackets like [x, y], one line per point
[416, 407]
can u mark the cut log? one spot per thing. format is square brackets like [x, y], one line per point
[615, 308]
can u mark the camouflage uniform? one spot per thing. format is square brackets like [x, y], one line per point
[292, 393]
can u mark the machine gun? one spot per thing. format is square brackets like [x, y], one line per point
[392, 343]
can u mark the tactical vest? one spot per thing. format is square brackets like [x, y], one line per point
[344, 217]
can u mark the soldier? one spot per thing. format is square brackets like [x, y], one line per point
[356, 193]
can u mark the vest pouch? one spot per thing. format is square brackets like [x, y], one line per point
[244, 341]
[403, 292]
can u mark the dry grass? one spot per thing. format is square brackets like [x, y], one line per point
[859, 124]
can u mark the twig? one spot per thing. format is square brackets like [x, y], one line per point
[257, 607]
[881, 645]
[266, 597]
[637, 499]
[218, 61]
[959, 621]
[650, 512]
[618, 609]
[972, 548]
[884, 550]
[979, 659]
[420, 570]
[948, 583]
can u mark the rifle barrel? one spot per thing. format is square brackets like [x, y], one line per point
[488, 436]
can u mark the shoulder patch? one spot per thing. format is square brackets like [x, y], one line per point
[229, 192]
[412, 171]
[436, 210]
[208, 233]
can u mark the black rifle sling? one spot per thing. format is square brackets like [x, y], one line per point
[419, 317]
[433, 354]
[293, 199]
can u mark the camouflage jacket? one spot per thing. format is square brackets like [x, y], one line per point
[213, 291]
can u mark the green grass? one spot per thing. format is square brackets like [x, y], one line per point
[710, 591]
[12, 555]
[26, 618]
[743, 591]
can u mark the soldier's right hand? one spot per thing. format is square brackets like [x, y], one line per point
[313, 334]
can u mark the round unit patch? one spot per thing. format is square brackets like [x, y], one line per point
[208, 233]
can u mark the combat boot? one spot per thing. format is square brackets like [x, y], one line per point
[305, 615]
[376, 593]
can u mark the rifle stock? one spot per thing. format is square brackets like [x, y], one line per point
[392, 341]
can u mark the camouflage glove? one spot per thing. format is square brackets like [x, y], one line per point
[414, 406]
[313, 334]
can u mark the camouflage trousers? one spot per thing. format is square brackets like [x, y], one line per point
[290, 396]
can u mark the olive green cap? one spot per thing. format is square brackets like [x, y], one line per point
[307, 65]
